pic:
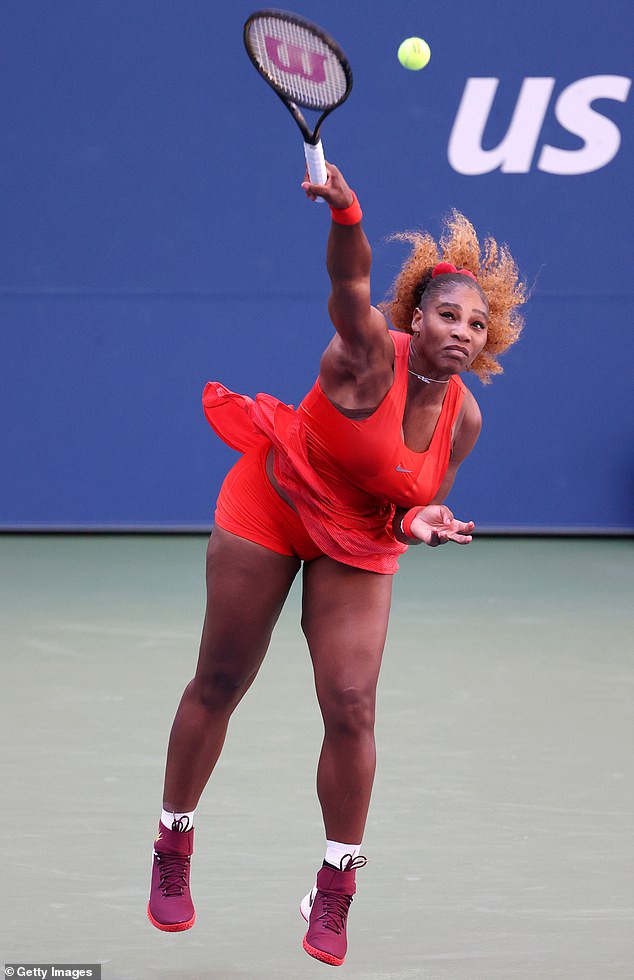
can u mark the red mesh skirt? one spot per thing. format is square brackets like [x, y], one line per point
[362, 540]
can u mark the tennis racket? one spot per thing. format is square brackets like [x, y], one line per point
[305, 67]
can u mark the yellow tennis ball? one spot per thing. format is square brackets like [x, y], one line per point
[414, 53]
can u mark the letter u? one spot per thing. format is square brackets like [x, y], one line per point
[514, 154]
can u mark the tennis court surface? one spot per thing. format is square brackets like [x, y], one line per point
[499, 842]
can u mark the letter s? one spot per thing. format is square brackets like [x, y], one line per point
[601, 136]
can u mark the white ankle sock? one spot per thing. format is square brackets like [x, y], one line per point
[168, 818]
[336, 852]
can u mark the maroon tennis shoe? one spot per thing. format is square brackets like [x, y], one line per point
[170, 907]
[325, 909]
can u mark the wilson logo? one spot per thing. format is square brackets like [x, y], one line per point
[294, 60]
[515, 152]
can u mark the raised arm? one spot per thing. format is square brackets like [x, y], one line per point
[359, 325]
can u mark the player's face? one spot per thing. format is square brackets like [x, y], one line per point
[451, 329]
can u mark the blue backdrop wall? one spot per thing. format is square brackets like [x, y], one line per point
[154, 235]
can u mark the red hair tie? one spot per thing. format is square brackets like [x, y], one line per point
[446, 268]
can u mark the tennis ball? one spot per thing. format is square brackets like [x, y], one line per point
[414, 53]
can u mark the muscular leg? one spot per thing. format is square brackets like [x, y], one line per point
[345, 616]
[246, 588]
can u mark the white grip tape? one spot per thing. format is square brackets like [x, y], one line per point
[316, 163]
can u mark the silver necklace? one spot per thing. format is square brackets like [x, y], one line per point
[421, 377]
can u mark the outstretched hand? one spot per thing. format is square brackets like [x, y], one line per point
[436, 525]
[335, 191]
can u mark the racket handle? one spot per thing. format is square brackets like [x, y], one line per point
[316, 163]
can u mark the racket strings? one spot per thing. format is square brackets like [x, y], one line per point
[298, 62]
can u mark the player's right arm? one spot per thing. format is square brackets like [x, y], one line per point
[362, 343]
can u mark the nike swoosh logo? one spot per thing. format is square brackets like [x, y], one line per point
[401, 469]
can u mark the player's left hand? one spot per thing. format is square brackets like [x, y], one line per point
[436, 525]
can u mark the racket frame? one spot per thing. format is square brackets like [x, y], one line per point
[314, 157]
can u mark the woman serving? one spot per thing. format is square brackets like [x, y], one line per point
[343, 485]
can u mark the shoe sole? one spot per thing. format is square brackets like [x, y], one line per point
[320, 955]
[174, 927]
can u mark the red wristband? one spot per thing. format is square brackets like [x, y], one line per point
[348, 216]
[406, 523]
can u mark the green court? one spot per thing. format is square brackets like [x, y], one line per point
[499, 841]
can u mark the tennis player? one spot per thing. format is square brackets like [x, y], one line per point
[344, 485]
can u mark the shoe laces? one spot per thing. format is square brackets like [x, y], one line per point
[353, 863]
[173, 871]
[182, 824]
[334, 911]
[334, 905]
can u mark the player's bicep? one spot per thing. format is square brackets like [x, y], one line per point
[447, 483]
[466, 438]
[364, 355]
[469, 431]
[357, 322]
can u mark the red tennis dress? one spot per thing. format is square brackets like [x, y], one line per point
[345, 476]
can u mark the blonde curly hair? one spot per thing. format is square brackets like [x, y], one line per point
[497, 276]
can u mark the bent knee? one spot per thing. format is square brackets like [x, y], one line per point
[220, 690]
[348, 711]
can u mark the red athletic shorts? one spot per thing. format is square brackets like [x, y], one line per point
[249, 506]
